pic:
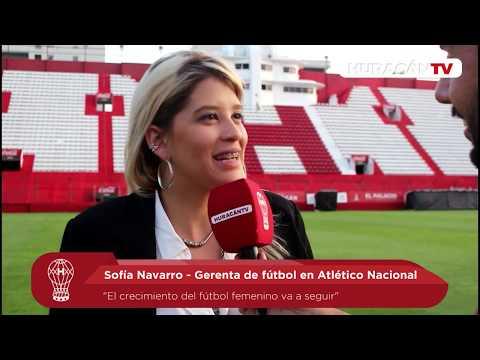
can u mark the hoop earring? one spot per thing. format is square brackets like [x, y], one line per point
[159, 178]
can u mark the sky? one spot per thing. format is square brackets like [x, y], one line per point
[146, 54]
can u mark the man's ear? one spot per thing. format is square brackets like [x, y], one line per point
[157, 137]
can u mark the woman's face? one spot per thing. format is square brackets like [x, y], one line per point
[207, 140]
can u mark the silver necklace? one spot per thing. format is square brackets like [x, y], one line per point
[197, 244]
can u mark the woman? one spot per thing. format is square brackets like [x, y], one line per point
[186, 136]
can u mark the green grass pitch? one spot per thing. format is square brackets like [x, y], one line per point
[444, 242]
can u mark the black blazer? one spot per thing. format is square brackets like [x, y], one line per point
[126, 227]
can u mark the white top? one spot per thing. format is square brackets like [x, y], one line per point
[171, 246]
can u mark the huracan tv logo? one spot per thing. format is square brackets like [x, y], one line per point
[229, 214]
[410, 68]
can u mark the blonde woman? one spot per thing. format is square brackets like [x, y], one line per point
[186, 136]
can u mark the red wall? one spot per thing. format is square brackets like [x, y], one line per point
[136, 71]
[334, 83]
[27, 191]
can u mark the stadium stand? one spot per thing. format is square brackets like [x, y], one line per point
[447, 145]
[291, 147]
[357, 129]
[46, 117]
[279, 160]
[73, 150]
[126, 86]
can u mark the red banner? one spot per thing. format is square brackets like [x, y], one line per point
[83, 280]
[360, 158]
[372, 197]
[107, 190]
[11, 154]
[298, 197]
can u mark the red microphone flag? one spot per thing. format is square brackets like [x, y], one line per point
[240, 215]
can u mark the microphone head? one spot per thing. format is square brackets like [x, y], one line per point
[240, 215]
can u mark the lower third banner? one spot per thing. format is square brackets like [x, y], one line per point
[85, 280]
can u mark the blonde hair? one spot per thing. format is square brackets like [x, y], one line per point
[163, 91]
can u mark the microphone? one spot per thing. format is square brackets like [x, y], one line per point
[241, 219]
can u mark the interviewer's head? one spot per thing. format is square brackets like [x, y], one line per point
[189, 106]
[462, 92]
